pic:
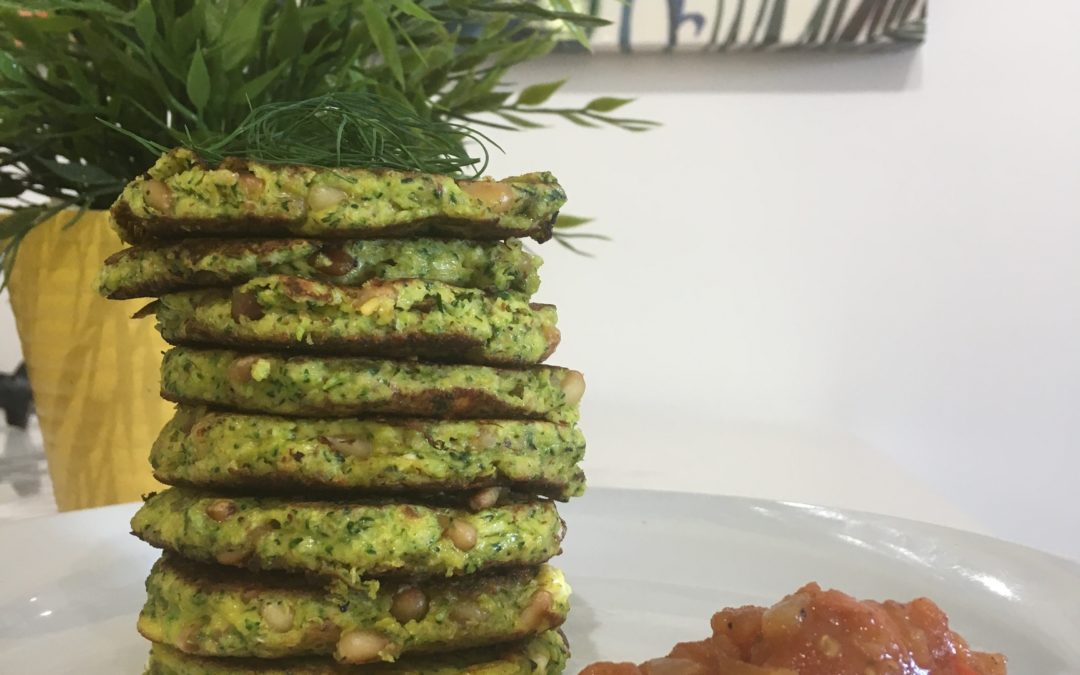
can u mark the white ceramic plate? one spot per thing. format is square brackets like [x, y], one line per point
[648, 570]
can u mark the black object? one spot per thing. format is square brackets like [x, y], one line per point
[15, 397]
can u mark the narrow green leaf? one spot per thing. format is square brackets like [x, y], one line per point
[483, 101]
[383, 37]
[145, 21]
[565, 243]
[10, 68]
[519, 121]
[80, 211]
[574, 29]
[586, 20]
[19, 221]
[55, 23]
[97, 6]
[566, 221]
[185, 31]
[487, 123]
[459, 92]
[311, 14]
[414, 52]
[166, 10]
[79, 174]
[252, 89]
[213, 18]
[584, 235]
[578, 119]
[153, 147]
[288, 37]
[240, 35]
[607, 103]
[413, 10]
[538, 93]
[198, 80]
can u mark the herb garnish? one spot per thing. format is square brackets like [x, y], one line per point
[347, 129]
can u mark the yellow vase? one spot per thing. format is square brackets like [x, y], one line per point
[94, 371]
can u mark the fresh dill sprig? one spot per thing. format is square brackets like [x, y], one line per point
[156, 69]
[348, 129]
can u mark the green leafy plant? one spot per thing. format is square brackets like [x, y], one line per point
[565, 233]
[176, 71]
[342, 129]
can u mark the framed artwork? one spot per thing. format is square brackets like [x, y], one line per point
[756, 25]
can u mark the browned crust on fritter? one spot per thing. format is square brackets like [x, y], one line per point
[252, 563]
[198, 248]
[194, 249]
[445, 499]
[153, 289]
[222, 577]
[444, 347]
[457, 403]
[493, 567]
[515, 501]
[237, 579]
[437, 348]
[149, 309]
[308, 665]
[211, 578]
[246, 483]
[136, 230]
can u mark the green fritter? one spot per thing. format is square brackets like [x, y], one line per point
[153, 270]
[326, 386]
[211, 611]
[349, 541]
[182, 196]
[261, 452]
[543, 654]
[401, 318]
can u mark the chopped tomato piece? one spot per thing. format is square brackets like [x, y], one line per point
[823, 632]
[609, 668]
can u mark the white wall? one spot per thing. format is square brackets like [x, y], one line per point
[835, 269]
[823, 259]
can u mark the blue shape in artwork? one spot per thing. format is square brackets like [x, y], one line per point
[624, 25]
[677, 17]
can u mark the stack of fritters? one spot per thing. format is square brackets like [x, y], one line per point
[366, 447]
